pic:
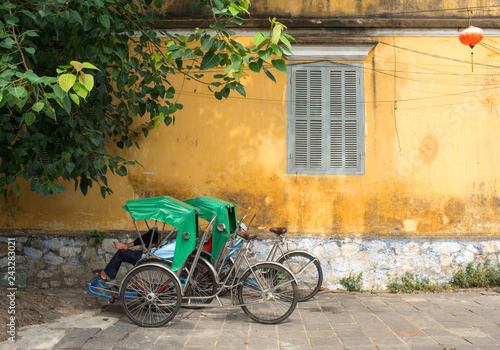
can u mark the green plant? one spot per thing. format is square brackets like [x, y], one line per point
[49, 135]
[409, 283]
[480, 275]
[353, 283]
[98, 236]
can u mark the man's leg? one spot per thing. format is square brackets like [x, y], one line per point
[147, 238]
[130, 256]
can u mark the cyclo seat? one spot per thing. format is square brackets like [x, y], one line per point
[278, 230]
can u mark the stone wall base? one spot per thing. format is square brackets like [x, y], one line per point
[56, 261]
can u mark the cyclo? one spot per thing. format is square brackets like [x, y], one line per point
[153, 291]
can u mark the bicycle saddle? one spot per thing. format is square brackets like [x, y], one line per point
[278, 230]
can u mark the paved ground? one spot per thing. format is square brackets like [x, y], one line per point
[330, 321]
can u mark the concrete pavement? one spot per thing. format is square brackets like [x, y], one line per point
[467, 320]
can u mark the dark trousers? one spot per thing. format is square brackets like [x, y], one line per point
[131, 256]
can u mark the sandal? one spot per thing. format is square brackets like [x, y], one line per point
[97, 274]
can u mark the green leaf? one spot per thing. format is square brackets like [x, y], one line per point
[89, 66]
[103, 194]
[157, 3]
[256, 66]
[210, 60]
[58, 188]
[285, 41]
[66, 103]
[99, 164]
[37, 107]
[265, 54]
[280, 65]
[16, 189]
[30, 50]
[234, 10]
[69, 167]
[241, 90]
[80, 90]
[258, 38]
[277, 50]
[121, 171]
[75, 98]
[87, 82]
[18, 91]
[269, 74]
[51, 113]
[104, 19]
[66, 81]
[29, 118]
[76, 16]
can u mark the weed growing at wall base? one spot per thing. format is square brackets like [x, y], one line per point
[352, 283]
[480, 275]
[98, 236]
[409, 283]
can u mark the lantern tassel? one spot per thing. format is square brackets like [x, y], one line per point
[472, 60]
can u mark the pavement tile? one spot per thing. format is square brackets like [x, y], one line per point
[263, 343]
[481, 341]
[236, 343]
[395, 347]
[353, 338]
[205, 341]
[329, 341]
[294, 343]
[76, 338]
[410, 332]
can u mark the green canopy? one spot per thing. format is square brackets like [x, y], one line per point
[172, 212]
[226, 214]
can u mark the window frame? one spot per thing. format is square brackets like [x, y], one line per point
[326, 157]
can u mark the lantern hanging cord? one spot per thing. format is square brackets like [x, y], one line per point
[470, 17]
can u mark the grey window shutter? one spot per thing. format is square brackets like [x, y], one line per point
[326, 120]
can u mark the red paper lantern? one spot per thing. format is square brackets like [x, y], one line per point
[471, 36]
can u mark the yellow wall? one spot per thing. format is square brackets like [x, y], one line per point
[438, 178]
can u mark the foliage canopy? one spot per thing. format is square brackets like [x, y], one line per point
[75, 75]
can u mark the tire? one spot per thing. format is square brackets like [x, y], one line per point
[150, 295]
[155, 260]
[202, 283]
[307, 271]
[267, 293]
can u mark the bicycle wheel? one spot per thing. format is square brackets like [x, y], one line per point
[201, 284]
[150, 296]
[307, 271]
[267, 293]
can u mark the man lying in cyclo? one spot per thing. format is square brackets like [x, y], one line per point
[132, 256]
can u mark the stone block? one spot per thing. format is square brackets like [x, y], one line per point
[53, 244]
[491, 247]
[44, 274]
[69, 252]
[33, 253]
[52, 259]
[446, 248]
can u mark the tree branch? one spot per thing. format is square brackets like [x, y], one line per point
[18, 46]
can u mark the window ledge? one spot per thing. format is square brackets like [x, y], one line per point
[331, 51]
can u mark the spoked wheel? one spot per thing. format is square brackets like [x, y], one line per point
[201, 284]
[150, 296]
[307, 271]
[267, 293]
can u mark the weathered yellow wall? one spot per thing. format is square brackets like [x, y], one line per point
[431, 163]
